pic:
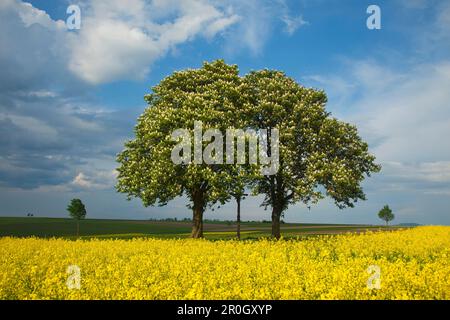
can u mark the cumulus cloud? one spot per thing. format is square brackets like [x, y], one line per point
[122, 39]
[100, 179]
[117, 40]
[31, 15]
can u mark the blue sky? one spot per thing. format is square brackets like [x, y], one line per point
[69, 99]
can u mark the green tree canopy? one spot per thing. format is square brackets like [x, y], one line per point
[318, 155]
[77, 210]
[386, 214]
[211, 95]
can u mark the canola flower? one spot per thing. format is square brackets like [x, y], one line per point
[413, 264]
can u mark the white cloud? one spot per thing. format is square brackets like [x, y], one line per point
[121, 40]
[82, 181]
[100, 179]
[111, 50]
[31, 15]
[411, 115]
[293, 23]
[220, 25]
[117, 39]
[405, 114]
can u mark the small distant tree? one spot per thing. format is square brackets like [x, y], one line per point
[77, 211]
[386, 214]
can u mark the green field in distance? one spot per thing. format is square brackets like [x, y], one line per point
[126, 229]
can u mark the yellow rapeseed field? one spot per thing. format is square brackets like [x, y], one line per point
[412, 264]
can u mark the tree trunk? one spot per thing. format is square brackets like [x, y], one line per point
[238, 220]
[197, 226]
[276, 215]
[197, 215]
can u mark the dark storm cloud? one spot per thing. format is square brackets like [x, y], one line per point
[44, 142]
[32, 171]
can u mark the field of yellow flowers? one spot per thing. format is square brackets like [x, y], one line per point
[407, 264]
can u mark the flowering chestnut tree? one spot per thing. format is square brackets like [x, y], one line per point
[210, 94]
[318, 155]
